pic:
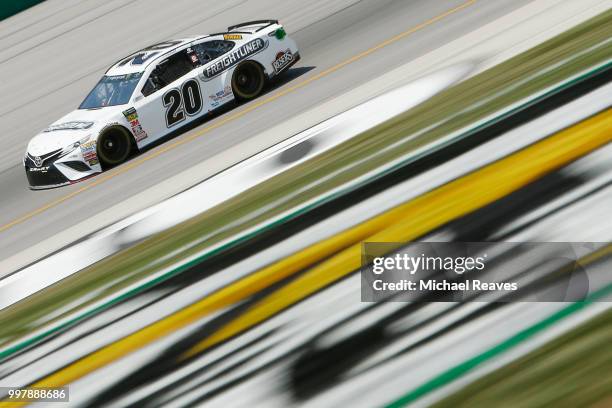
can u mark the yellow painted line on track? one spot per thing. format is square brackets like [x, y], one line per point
[231, 117]
[429, 211]
[403, 223]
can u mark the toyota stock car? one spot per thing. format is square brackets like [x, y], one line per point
[155, 91]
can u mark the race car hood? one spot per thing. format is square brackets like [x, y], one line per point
[72, 128]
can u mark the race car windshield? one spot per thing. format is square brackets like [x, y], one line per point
[111, 90]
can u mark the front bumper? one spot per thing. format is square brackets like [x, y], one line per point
[45, 177]
[50, 170]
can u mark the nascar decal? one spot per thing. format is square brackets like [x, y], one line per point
[234, 57]
[220, 96]
[89, 152]
[283, 59]
[132, 116]
[232, 37]
[192, 56]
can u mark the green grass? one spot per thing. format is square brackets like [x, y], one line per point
[462, 105]
[571, 371]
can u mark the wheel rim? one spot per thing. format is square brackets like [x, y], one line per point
[114, 147]
[248, 80]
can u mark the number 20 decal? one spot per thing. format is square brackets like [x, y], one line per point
[186, 101]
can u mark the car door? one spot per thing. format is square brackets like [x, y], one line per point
[171, 96]
[217, 89]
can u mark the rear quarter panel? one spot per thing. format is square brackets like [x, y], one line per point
[273, 51]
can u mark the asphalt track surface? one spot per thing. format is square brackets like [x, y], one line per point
[320, 350]
[52, 54]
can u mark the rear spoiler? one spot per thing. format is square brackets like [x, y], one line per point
[266, 23]
[228, 32]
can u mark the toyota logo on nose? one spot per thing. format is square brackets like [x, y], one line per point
[38, 161]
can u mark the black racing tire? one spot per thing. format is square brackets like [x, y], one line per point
[114, 146]
[248, 80]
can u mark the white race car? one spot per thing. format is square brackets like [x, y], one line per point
[154, 92]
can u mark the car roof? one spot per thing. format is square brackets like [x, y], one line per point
[140, 60]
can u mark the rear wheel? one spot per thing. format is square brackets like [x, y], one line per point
[114, 147]
[248, 80]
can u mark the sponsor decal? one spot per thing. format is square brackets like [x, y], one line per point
[283, 59]
[132, 116]
[74, 125]
[232, 37]
[280, 33]
[193, 57]
[88, 146]
[39, 169]
[89, 152]
[222, 94]
[233, 57]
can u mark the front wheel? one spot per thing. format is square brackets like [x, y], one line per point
[114, 147]
[248, 80]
